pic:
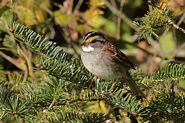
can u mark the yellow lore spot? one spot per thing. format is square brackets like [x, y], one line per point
[90, 39]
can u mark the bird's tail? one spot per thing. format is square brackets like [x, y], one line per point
[133, 86]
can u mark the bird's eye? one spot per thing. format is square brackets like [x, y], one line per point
[93, 41]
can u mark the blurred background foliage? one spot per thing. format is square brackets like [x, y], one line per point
[66, 21]
[150, 32]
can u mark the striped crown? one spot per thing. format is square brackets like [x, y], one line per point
[93, 36]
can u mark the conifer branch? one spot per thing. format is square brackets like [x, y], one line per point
[171, 71]
[54, 60]
[58, 94]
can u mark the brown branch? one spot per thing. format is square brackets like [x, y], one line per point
[144, 50]
[176, 26]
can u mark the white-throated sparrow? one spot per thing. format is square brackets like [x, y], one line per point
[105, 61]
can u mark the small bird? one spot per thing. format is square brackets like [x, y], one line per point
[104, 60]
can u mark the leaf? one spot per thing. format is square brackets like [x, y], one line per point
[91, 15]
[25, 15]
[39, 16]
[31, 12]
[64, 19]
[97, 3]
[101, 22]
[3, 9]
[182, 83]
[6, 18]
[167, 43]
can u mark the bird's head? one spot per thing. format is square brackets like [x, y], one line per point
[92, 40]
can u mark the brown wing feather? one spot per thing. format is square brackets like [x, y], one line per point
[118, 56]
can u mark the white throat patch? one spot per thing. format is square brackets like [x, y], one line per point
[87, 48]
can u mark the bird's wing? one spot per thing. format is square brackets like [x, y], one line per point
[118, 56]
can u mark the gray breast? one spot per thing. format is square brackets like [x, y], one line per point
[101, 65]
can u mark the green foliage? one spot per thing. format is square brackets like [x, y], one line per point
[59, 88]
[37, 42]
[54, 59]
[171, 72]
[154, 22]
[77, 118]
[12, 105]
[69, 69]
[31, 12]
[167, 43]
[6, 15]
[128, 103]
[56, 98]
[166, 107]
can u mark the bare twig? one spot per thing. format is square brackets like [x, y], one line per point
[71, 44]
[18, 63]
[176, 26]
[113, 2]
[144, 50]
[181, 19]
[77, 7]
[26, 53]
[174, 33]
[52, 103]
[179, 49]
[14, 61]
[119, 21]
[122, 16]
